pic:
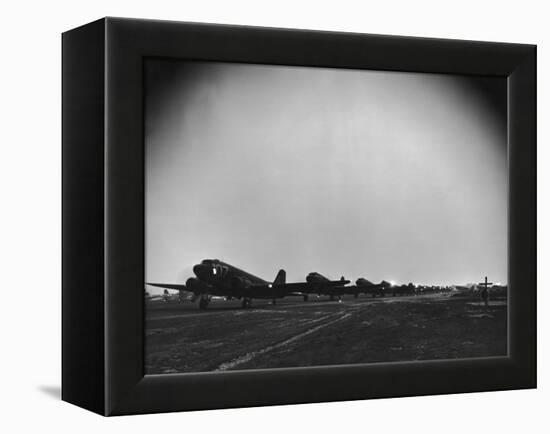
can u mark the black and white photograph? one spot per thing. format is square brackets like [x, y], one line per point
[305, 216]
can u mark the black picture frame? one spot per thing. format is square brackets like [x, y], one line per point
[103, 221]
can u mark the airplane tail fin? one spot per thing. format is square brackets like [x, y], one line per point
[280, 279]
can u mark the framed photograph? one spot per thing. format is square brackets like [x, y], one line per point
[257, 216]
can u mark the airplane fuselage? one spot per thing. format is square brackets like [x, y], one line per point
[215, 277]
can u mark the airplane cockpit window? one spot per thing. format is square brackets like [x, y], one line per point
[219, 270]
[225, 270]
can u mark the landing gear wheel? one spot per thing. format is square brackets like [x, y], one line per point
[247, 303]
[306, 297]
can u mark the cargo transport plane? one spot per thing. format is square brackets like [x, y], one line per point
[365, 286]
[217, 278]
[320, 285]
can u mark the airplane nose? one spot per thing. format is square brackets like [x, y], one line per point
[198, 270]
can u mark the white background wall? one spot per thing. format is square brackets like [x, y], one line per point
[30, 183]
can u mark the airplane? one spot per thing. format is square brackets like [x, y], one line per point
[408, 289]
[320, 285]
[365, 286]
[218, 278]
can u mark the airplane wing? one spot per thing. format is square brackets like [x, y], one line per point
[305, 286]
[177, 287]
[333, 283]
[266, 291]
[309, 287]
[252, 291]
[271, 291]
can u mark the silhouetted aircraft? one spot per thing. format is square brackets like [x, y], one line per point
[364, 286]
[217, 278]
[318, 284]
[408, 289]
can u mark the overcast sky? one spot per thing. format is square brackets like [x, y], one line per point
[382, 175]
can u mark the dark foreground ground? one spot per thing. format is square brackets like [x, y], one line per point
[180, 338]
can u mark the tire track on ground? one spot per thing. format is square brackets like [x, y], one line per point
[251, 355]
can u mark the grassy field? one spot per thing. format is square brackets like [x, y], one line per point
[179, 338]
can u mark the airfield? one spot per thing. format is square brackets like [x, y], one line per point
[180, 338]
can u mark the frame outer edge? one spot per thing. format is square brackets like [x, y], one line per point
[522, 124]
[127, 390]
[82, 217]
